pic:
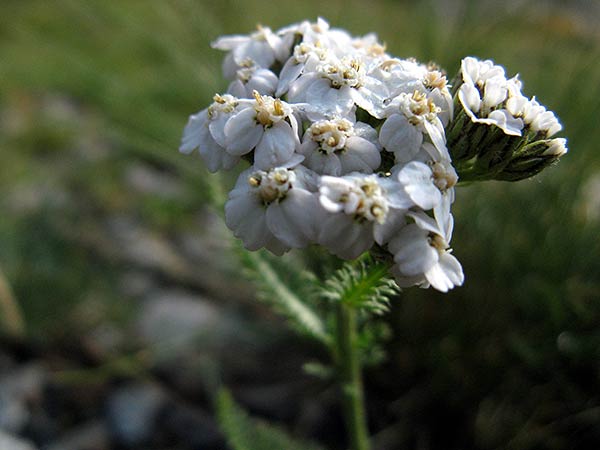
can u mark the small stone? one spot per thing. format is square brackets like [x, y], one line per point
[89, 436]
[10, 442]
[193, 426]
[176, 317]
[147, 180]
[18, 389]
[132, 413]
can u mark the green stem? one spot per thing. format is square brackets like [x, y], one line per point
[349, 372]
[10, 311]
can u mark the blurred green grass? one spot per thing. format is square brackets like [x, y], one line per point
[88, 88]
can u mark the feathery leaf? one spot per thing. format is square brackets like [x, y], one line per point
[244, 433]
[275, 291]
[364, 284]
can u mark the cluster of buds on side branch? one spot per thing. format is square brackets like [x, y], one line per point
[498, 133]
[353, 149]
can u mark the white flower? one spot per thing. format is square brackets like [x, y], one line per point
[407, 76]
[268, 126]
[338, 41]
[557, 147]
[409, 117]
[359, 207]
[261, 48]
[204, 131]
[305, 58]
[479, 72]
[253, 78]
[335, 87]
[425, 183]
[400, 76]
[370, 49]
[484, 91]
[337, 147]
[475, 106]
[269, 209]
[421, 253]
[436, 83]
[534, 115]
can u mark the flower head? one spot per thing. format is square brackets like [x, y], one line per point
[311, 109]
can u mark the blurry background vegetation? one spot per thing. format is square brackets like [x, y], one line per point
[99, 214]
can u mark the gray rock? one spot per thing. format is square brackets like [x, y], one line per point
[147, 180]
[194, 426]
[10, 442]
[18, 389]
[144, 247]
[132, 412]
[176, 319]
[89, 436]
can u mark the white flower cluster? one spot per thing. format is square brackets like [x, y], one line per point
[347, 145]
[497, 132]
[489, 98]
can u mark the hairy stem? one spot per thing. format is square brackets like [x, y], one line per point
[350, 379]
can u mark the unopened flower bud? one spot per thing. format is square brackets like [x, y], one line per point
[532, 159]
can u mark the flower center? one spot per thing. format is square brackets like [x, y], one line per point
[270, 110]
[444, 177]
[417, 108]
[272, 185]
[331, 135]
[222, 104]
[303, 51]
[435, 79]
[246, 72]
[347, 72]
[437, 242]
[365, 201]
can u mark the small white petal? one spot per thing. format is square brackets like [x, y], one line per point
[257, 51]
[469, 97]
[242, 133]
[290, 221]
[436, 134]
[237, 89]
[216, 127]
[412, 252]
[395, 194]
[394, 221]
[344, 237]
[263, 81]
[495, 93]
[324, 164]
[194, 132]
[360, 155]
[417, 180]
[446, 274]
[289, 73]
[399, 136]
[504, 120]
[452, 268]
[229, 42]
[438, 278]
[276, 146]
[425, 222]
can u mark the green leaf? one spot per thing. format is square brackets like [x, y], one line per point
[363, 284]
[245, 433]
[275, 291]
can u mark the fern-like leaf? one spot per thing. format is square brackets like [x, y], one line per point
[275, 291]
[245, 433]
[363, 284]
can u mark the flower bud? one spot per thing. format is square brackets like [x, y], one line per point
[498, 133]
[532, 159]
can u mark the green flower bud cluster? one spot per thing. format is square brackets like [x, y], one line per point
[497, 133]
